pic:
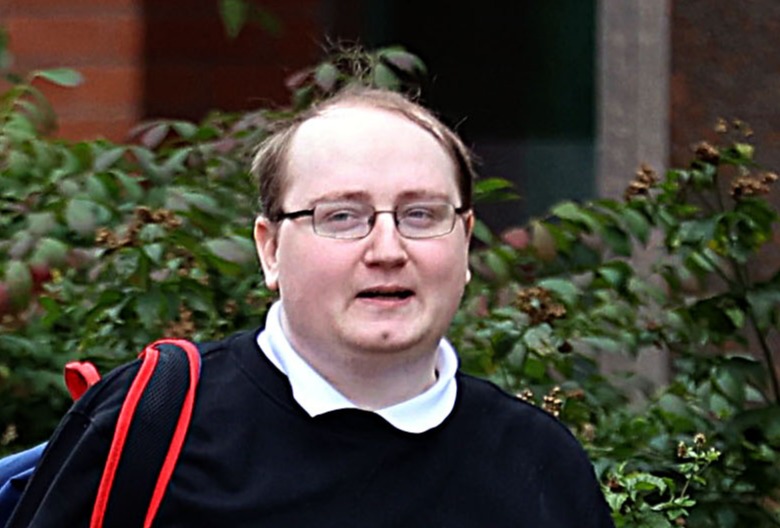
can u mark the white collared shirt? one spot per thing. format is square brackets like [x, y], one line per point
[317, 396]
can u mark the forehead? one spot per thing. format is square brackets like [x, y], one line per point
[362, 149]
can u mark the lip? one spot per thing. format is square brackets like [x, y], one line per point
[386, 294]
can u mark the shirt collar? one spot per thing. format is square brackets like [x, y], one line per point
[317, 396]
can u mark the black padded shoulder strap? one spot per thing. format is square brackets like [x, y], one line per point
[149, 435]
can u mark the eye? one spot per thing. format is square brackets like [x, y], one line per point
[422, 214]
[339, 214]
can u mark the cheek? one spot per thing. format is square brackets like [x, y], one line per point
[312, 268]
[445, 266]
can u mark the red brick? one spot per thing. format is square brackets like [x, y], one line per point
[163, 39]
[249, 87]
[177, 90]
[112, 129]
[73, 41]
[56, 7]
[107, 87]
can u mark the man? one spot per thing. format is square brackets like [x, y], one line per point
[347, 408]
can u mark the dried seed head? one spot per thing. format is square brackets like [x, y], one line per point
[588, 431]
[644, 179]
[540, 305]
[769, 177]
[748, 185]
[707, 153]
[721, 126]
[552, 403]
[699, 439]
[9, 435]
[682, 450]
[104, 237]
[143, 214]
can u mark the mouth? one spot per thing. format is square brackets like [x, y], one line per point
[386, 293]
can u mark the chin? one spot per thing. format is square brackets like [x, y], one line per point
[386, 341]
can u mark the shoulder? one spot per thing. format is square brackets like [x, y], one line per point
[105, 398]
[537, 447]
[491, 407]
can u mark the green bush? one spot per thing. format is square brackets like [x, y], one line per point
[105, 247]
[676, 266]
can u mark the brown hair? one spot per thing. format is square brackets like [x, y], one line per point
[270, 161]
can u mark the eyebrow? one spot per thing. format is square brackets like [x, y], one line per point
[363, 196]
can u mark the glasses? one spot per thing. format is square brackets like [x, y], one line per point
[354, 220]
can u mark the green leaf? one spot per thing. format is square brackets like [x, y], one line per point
[765, 303]
[745, 150]
[155, 252]
[148, 306]
[616, 274]
[731, 385]
[60, 76]
[175, 163]
[185, 129]
[81, 217]
[384, 77]
[576, 213]
[637, 224]
[494, 190]
[565, 289]
[483, 233]
[97, 189]
[497, 265]
[16, 343]
[326, 75]
[107, 158]
[134, 192]
[231, 250]
[403, 60]
[697, 231]
[617, 240]
[19, 283]
[154, 136]
[41, 224]
[605, 344]
[202, 202]
[234, 16]
[51, 252]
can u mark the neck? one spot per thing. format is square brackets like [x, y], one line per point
[373, 379]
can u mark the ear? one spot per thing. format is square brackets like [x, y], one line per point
[266, 246]
[469, 224]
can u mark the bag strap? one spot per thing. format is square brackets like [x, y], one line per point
[149, 435]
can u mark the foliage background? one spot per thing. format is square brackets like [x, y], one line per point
[105, 247]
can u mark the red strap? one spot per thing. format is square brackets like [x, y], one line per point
[150, 357]
[79, 376]
[181, 427]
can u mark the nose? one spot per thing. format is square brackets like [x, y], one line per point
[386, 246]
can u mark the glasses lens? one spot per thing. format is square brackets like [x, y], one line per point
[342, 220]
[426, 220]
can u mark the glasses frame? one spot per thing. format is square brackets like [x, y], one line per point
[301, 213]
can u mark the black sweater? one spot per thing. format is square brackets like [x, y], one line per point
[253, 457]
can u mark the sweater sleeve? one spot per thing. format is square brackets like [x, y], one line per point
[63, 488]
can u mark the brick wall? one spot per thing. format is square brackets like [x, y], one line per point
[103, 39]
[191, 66]
[725, 63]
[143, 59]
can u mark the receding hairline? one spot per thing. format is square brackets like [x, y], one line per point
[350, 106]
[279, 144]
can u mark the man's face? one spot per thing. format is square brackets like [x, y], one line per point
[382, 293]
